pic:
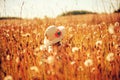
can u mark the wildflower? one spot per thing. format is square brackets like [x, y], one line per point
[74, 49]
[116, 24]
[80, 68]
[72, 63]
[50, 49]
[50, 60]
[88, 54]
[88, 62]
[111, 29]
[110, 57]
[93, 69]
[40, 63]
[99, 42]
[116, 46]
[70, 29]
[7, 35]
[34, 68]
[8, 57]
[8, 77]
[17, 60]
[42, 47]
[26, 35]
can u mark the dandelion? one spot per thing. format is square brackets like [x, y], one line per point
[74, 49]
[40, 62]
[26, 35]
[88, 62]
[116, 24]
[17, 60]
[98, 43]
[111, 29]
[34, 68]
[80, 68]
[93, 69]
[36, 49]
[8, 77]
[7, 35]
[72, 63]
[70, 29]
[8, 57]
[110, 57]
[50, 49]
[50, 60]
[42, 47]
[88, 54]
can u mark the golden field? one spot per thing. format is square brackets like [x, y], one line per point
[90, 49]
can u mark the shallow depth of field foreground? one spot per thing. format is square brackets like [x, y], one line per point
[90, 49]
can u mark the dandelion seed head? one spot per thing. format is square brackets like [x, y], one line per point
[98, 43]
[116, 24]
[50, 60]
[111, 29]
[50, 49]
[70, 29]
[75, 49]
[88, 62]
[93, 70]
[17, 60]
[8, 57]
[26, 35]
[80, 68]
[34, 68]
[42, 47]
[72, 63]
[110, 57]
[8, 77]
[40, 62]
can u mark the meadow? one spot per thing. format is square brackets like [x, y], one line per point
[90, 49]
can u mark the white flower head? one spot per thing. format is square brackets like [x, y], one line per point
[8, 57]
[17, 60]
[8, 77]
[111, 29]
[88, 62]
[93, 69]
[98, 43]
[50, 49]
[40, 62]
[50, 60]
[80, 68]
[25, 35]
[34, 68]
[72, 63]
[110, 57]
[43, 47]
[70, 29]
[116, 24]
[74, 49]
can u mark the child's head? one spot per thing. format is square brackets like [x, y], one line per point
[53, 35]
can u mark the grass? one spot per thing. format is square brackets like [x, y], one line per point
[22, 59]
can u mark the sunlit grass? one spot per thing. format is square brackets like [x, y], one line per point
[88, 51]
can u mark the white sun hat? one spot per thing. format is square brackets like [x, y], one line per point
[53, 35]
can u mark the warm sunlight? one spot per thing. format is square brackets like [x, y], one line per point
[52, 8]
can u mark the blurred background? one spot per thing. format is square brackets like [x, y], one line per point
[54, 8]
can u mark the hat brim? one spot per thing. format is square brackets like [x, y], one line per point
[48, 42]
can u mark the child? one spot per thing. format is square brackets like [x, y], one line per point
[53, 36]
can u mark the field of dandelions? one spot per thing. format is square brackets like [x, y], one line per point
[90, 49]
